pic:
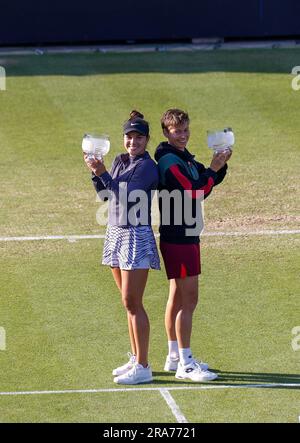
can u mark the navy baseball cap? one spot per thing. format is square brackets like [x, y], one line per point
[138, 125]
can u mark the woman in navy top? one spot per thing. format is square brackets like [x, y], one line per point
[130, 248]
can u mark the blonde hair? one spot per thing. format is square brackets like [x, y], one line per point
[174, 117]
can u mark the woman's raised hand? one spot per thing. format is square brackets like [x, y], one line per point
[95, 165]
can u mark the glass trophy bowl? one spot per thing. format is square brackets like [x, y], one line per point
[220, 139]
[95, 146]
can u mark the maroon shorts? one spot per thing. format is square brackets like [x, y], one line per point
[181, 260]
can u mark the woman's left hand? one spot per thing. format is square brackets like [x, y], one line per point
[94, 165]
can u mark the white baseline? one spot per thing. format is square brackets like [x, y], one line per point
[73, 238]
[177, 388]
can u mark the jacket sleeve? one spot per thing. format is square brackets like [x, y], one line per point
[177, 178]
[99, 186]
[221, 174]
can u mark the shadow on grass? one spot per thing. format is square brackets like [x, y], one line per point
[229, 378]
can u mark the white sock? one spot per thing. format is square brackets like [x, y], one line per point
[173, 349]
[185, 355]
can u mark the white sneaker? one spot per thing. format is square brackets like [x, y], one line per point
[203, 366]
[172, 364]
[125, 368]
[138, 374]
[194, 372]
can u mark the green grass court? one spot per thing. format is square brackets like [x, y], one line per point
[64, 322]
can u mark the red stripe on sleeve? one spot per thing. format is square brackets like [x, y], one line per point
[208, 186]
[183, 180]
[187, 185]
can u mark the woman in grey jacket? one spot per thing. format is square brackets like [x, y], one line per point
[130, 248]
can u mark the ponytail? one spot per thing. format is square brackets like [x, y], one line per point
[135, 114]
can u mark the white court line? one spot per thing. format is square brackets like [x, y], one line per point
[173, 406]
[264, 232]
[72, 238]
[177, 388]
[53, 237]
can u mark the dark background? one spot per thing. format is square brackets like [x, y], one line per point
[97, 21]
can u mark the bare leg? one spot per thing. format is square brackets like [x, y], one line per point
[188, 288]
[116, 272]
[133, 286]
[172, 309]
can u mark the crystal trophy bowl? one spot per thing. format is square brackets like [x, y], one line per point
[95, 146]
[221, 139]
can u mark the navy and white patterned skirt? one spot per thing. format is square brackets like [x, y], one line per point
[130, 247]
